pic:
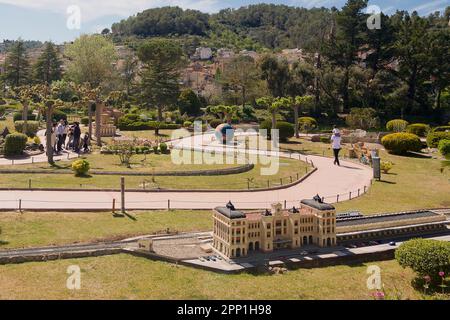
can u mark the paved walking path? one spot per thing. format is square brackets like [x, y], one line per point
[328, 181]
[41, 158]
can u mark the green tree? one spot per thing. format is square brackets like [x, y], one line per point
[347, 42]
[91, 60]
[300, 102]
[48, 66]
[241, 75]
[189, 103]
[17, 67]
[276, 73]
[160, 75]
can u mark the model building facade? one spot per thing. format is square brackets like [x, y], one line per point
[236, 234]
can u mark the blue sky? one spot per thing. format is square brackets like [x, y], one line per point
[47, 19]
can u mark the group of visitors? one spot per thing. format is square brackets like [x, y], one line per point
[68, 137]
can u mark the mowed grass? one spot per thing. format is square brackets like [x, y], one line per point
[288, 169]
[413, 183]
[42, 229]
[127, 277]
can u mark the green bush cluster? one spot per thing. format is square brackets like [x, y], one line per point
[286, 129]
[215, 123]
[434, 138]
[187, 124]
[32, 127]
[17, 116]
[15, 143]
[442, 129]
[58, 115]
[425, 257]
[133, 122]
[397, 125]
[401, 143]
[419, 129]
[163, 148]
[444, 148]
[81, 167]
[307, 124]
[85, 121]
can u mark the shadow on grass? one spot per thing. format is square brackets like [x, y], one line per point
[386, 181]
[3, 243]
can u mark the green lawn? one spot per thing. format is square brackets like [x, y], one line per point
[413, 183]
[288, 169]
[128, 277]
[42, 229]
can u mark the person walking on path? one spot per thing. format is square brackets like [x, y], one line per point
[53, 133]
[76, 137]
[336, 145]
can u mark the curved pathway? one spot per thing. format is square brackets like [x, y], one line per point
[328, 181]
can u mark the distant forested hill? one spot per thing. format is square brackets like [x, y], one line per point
[263, 25]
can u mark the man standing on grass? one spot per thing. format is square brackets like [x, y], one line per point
[336, 145]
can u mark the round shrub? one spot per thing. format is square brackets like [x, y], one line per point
[397, 125]
[85, 121]
[444, 148]
[32, 127]
[15, 143]
[401, 143]
[434, 138]
[425, 257]
[17, 116]
[419, 129]
[286, 129]
[163, 147]
[307, 124]
[187, 124]
[81, 167]
[215, 123]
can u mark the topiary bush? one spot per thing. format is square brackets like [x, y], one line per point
[85, 121]
[307, 124]
[386, 166]
[58, 115]
[401, 143]
[444, 148]
[81, 167]
[32, 127]
[397, 125]
[425, 257]
[163, 148]
[187, 124]
[419, 129]
[286, 129]
[15, 143]
[17, 116]
[215, 123]
[434, 138]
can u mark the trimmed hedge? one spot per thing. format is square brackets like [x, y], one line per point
[17, 116]
[57, 115]
[133, 122]
[215, 123]
[397, 125]
[419, 129]
[15, 143]
[434, 138]
[85, 121]
[286, 129]
[444, 148]
[307, 123]
[401, 143]
[32, 127]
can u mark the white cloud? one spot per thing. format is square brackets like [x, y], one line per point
[93, 9]
[430, 7]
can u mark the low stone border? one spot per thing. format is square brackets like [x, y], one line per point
[215, 172]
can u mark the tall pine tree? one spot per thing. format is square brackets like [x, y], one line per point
[17, 67]
[48, 66]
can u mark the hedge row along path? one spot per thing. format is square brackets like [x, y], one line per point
[347, 181]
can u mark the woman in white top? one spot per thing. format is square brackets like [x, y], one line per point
[336, 145]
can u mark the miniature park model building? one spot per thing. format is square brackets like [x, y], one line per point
[236, 234]
[108, 117]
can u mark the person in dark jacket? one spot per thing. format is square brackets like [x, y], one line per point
[76, 137]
